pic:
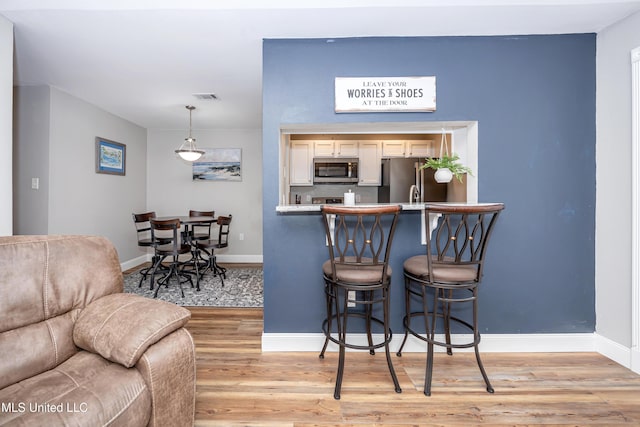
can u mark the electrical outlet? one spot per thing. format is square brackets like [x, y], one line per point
[241, 236]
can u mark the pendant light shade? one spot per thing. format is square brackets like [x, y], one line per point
[188, 150]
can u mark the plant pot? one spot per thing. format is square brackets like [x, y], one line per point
[443, 175]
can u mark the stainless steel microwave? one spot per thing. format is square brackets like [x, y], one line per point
[337, 171]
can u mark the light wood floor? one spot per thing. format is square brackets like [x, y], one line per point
[238, 385]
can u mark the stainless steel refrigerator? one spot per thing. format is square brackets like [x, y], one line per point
[398, 175]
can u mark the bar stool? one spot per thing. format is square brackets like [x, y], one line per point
[173, 249]
[143, 233]
[448, 275]
[357, 277]
[210, 246]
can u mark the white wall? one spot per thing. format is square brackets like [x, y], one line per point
[171, 190]
[6, 125]
[613, 177]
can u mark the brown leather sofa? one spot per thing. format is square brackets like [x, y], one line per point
[75, 350]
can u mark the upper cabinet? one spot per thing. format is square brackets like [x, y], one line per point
[301, 163]
[392, 148]
[336, 148]
[323, 148]
[409, 148]
[420, 148]
[369, 163]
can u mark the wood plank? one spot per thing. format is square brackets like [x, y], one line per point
[238, 385]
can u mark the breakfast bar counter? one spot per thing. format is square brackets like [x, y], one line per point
[302, 208]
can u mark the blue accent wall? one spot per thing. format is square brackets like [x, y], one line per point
[534, 100]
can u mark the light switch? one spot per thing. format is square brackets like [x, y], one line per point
[35, 183]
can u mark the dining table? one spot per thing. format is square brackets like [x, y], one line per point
[187, 221]
[187, 235]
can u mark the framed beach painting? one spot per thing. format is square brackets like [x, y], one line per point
[111, 157]
[218, 164]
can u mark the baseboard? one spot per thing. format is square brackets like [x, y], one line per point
[135, 262]
[507, 343]
[246, 259]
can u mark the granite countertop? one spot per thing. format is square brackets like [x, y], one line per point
[405, 206]
[316, 208]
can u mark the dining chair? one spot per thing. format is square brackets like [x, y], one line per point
[444, 281]
[143, 233]
[160, 230]
[209, 248]
[357, 280]
[201, 231]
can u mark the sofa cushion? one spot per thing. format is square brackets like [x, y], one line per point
[54, 275]
[84, 390]
[120, 327]
[33, 349]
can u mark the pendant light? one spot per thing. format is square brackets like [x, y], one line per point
[188, 150]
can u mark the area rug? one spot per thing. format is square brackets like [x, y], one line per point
[242, 288]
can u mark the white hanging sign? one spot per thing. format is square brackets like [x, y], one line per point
[393, 94]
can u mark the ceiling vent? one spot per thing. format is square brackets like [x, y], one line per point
[206, 96]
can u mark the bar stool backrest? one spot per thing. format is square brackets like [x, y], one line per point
[460, 238]
[201, 231]
[162, 230]
[143, 227]
[360, 237]
[224, 223]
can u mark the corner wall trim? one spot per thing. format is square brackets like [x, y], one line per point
[635, 208]
[616, 352]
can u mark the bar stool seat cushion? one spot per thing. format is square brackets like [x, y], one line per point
[366, 274]
[417, 267]
[167, 249]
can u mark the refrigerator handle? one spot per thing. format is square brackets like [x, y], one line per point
[419, 180]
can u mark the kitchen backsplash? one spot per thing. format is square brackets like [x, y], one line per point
[306, 193]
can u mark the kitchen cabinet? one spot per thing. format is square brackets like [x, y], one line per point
[369, 163]
[336, 148]
[301, 163]
[323, 148]
[420, 149]
[346, 148]
[423, 148]
[392, 148]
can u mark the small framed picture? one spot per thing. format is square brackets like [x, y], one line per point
[111, 157]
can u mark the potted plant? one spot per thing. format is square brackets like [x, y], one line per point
[446, 167]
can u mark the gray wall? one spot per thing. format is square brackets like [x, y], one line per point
[613, 207]
[6, 108]
[172, 191]
[79, 200]
[31, 158]
[534, 100]
[55, 142]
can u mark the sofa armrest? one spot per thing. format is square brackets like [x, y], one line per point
[120, 327]
[169, 369]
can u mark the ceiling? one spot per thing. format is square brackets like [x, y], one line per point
[143, 60]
